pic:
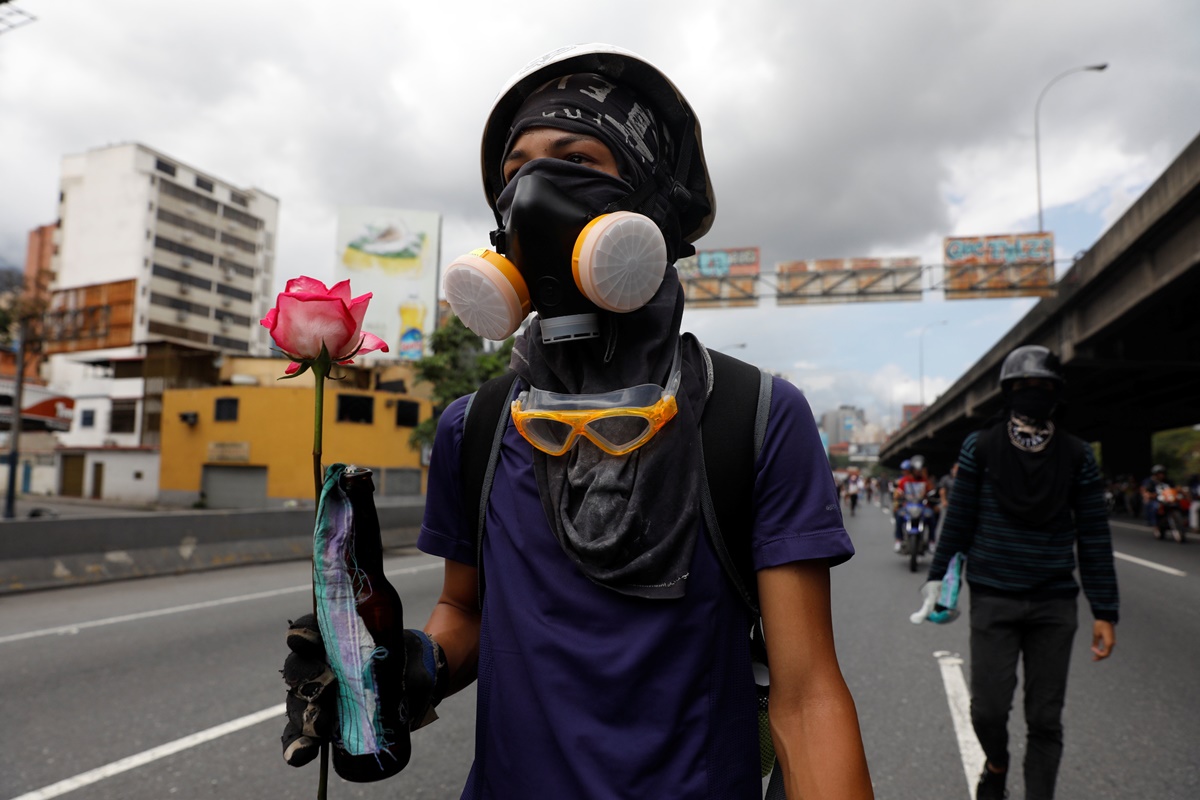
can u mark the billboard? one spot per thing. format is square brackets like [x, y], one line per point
[725, 278]
[394, 254]
[848, 280]
[1008, 265]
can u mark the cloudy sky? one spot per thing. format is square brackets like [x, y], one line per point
[832, 128]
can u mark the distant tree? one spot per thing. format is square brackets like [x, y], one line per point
[458, 366]
[1179, 451]
[10, 296]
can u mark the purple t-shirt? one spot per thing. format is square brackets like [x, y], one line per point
[593, 695]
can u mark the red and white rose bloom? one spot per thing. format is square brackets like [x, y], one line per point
[308, 315]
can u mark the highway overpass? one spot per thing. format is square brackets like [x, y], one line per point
[1126, 323]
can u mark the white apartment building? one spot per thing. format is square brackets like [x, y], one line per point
[159, 269]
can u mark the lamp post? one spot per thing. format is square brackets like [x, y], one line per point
[1037, 147]
[14, 430]
[921, 354]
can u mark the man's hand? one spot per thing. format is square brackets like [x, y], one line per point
[929, 594]
[425, 678]
[1104, 638]
[312, 693]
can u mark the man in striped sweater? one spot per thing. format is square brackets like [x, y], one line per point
[1027, 504]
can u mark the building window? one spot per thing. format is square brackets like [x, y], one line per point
[188, 196]
[408, 414]
[226, 409]
[124, 417]
[248, 220]
[182, 249]
[187, 224]
[356, 408]
[127, 369]
[163, 166]
[241, 244]
[202, 183]
[230, 291]
[87, 418]
[234, 197]
[226, 343]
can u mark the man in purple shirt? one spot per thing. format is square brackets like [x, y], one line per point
[611, 650]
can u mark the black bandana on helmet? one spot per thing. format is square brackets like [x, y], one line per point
[595, 106]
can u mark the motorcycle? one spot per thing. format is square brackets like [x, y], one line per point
[1172, 507]
[916, 524]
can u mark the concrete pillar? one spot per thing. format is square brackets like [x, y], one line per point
[1125, 451]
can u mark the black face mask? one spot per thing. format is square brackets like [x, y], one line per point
[1034, 402]
[544, 208]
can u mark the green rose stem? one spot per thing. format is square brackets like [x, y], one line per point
[320, 369]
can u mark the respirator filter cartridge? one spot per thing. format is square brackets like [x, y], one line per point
[619, 261]
[486, 291]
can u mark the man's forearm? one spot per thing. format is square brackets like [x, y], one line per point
[819, 746]
[456, 631]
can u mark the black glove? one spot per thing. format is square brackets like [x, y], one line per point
[312, 688]
[312, 693]
[424, 678]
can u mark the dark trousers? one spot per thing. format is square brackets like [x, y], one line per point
[1040, 634]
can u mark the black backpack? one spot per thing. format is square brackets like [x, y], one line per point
[739, 407]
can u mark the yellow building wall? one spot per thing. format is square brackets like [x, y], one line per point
[274, 428]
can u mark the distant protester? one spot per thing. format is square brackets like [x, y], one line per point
[1027, 499]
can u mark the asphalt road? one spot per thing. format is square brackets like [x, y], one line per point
[94, 675]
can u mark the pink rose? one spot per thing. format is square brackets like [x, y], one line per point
[307, 315]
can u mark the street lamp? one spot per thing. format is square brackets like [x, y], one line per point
[1037, 148]
[921, 354]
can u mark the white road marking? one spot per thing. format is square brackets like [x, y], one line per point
[959, 698]
[153, 754]
[1178, 573]
[160, 612]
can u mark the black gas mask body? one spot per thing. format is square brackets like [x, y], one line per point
[563, 251]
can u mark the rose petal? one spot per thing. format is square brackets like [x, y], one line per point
[341, 290]
[305, 284]
[291, 368]
[304, 323]
[269, 320]
[372, 342]
[368, 343]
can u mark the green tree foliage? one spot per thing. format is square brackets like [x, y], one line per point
[1179, 451]
[457, 366]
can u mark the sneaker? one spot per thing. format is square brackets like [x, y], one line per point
[991, 785]
[896, 547]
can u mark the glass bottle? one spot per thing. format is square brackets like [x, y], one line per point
[362, 624]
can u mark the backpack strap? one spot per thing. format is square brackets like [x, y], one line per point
[484, 423]
[736, 413]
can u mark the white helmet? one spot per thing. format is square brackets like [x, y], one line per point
[691, 191]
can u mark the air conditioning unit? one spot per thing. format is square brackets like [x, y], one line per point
[184, 288]
[226, 302]
[185, 263]
[181, 315]
[187, 237]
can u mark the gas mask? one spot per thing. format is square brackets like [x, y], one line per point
[559, 252]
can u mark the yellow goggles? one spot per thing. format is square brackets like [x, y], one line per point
[617, 422]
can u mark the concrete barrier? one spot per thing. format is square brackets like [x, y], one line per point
[45, 552]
